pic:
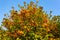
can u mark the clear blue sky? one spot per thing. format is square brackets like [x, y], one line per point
[5, 6]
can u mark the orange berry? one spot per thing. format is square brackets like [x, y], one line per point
[27, 11]
[45, 25]
[19, 32]
[27, 14]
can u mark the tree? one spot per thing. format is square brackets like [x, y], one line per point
[30, 23]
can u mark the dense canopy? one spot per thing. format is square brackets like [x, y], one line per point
[31, 22]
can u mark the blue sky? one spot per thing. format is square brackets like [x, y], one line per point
[5, 6]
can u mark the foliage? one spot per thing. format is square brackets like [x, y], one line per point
[30, 23]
